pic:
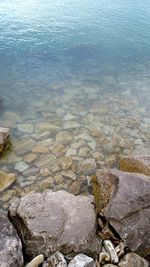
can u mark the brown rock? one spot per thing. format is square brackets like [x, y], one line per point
[139, 164]
[6, 179]
[4, 137]
[23, 146]
[75, 187]
[29, 157]
[46, 183]
[44, 172]
[40, 150]
[65, 162]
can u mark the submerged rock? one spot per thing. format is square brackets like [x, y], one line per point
[21, 166]
[11, 116]
[10, 244]
[55, 221]
[127, 207]
[23, 145]
[87, 166]
[42, 127]
[25, 127]
[63, 138]
[6, 179]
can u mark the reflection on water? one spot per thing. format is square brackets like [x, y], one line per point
[75, 82]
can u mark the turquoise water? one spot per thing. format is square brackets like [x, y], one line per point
[83, 67]
[41, 42]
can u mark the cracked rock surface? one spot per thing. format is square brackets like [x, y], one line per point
[128, 206]
[10, 245]
[55, 221]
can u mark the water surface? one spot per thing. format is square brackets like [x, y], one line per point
[83, 67]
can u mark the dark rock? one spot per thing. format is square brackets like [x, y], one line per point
[139, 164]
[10, 245]
[56, 221]
[133, 260]
[127, 208]
[4, 138]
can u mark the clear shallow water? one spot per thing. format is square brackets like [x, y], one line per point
[81, 66]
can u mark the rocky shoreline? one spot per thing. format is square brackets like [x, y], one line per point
[58, 229]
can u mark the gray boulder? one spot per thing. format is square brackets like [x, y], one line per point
[81, 260]
[56, 221]
[133, 260]
[126, 206]
[4, 137]
[10, 245]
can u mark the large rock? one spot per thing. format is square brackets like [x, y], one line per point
[55, 221]
[4, 137]
[133, 260]
[139, 164]
[10, 245]
[125, 202]
[6, 179]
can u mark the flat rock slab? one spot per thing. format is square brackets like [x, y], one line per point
[139, 164]
[55, 221]
[4, 137]
[127, 207]
[10, 245]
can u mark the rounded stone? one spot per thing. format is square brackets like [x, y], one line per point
[6, 179]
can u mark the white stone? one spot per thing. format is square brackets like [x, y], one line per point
[81, 260]
[36, 261]
[111, 250]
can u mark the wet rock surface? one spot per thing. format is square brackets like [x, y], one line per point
[4, 138]
[67, 223]
[128, 207]
[6, 179]
[139, 164]
[10, 245]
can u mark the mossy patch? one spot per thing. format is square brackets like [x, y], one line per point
[7, 150]
[96, 189]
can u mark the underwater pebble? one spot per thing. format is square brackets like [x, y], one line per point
[21, 166]
[27, 128]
